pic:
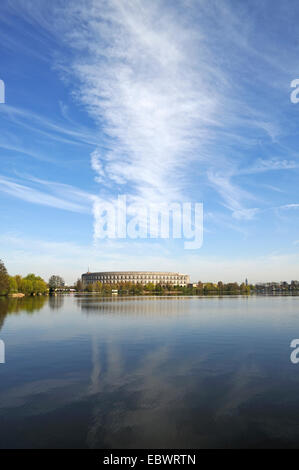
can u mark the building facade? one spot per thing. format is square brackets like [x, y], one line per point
[136, 277]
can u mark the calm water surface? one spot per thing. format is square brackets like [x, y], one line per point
[156, 372]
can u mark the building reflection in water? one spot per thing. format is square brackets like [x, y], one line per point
[133, 373]
[141, 389]
[130, 385]
[140, 306]
[130, 393]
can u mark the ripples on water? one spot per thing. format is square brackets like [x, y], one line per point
[180, 372]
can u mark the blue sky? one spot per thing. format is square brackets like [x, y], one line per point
[161, 100]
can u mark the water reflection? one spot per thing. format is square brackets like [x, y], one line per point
[56, 302]
[190, 391]
[175, 400]
[146, 373]
[142, 306]
[15, 306]
[132, 401]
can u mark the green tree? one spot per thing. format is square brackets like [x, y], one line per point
[220, 287]
[4, 279]
[13, 286]
[159, 289]
[150, 287]
[27, 286]
[99, 286]
[107, 288]
[32, 284]
[89, 288]
[232, 288]
[18, 279]
[210, 288]
[199, 288]
[244, 289]
[39, 286]
[55, 282]
[79, 286]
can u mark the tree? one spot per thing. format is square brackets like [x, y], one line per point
[89, 288]
[220, 287]
[99, 286]
[209, 288]
[39, 286]
[55, 282]
[159, 288]
[232, 288]
[244, 289]
[107, 288]
[27, 286]
[4, 279]
[13, 286]
[32, 284]
[79, 286]
[18, 279]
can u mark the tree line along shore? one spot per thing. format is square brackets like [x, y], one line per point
[31, 284]
[18, 286]
[129, 288]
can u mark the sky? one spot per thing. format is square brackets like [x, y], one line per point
[162, 101]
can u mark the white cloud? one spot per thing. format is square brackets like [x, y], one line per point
[232, 195]
[57, 130]
[68, 200]
[140, 81]
[290, 206]
[170, 101]
[154, 80]
[271, 164]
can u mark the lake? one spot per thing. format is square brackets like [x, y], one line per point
[179, 372]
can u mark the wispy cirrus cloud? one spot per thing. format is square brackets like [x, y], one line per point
[155, 82]
[189, 101]
[233, 196]
[65, 197]
[163, 91]
[56, 130]
[271, 164]
[290, 206]
[140, 81]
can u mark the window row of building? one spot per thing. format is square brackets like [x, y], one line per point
[141, 277]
